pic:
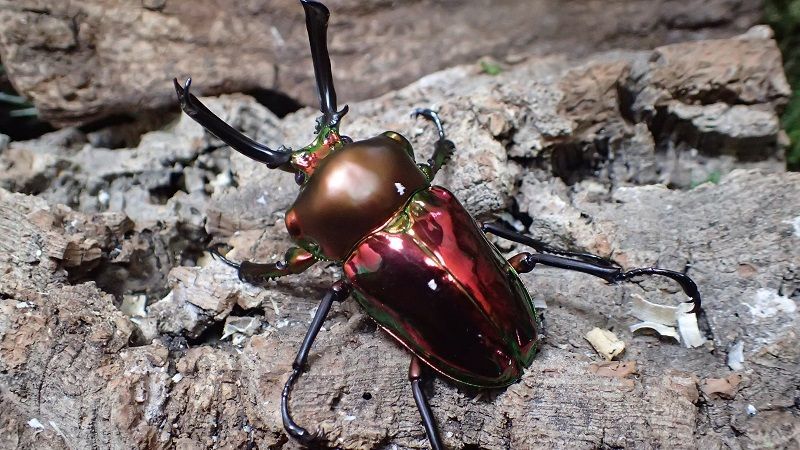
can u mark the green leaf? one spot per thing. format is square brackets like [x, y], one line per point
[490, 68]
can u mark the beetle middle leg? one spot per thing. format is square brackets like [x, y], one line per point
[296, 260]
[336, 293]
[443, 148]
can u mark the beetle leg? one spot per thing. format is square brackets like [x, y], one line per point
[415, 377]
[443, 148]
[525, 262]
[192, 106]
[498, 229]
[337, 293]
[296, 260]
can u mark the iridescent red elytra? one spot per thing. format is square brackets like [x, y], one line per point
[432, 280]
[411, 255]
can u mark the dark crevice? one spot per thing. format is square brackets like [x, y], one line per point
[238, 311]
[382, 443]
[143, 272]
[524, 218]
[277, 102]
[126, 130]
[41, 11]
[281, 442]
[337, 399]
[366, 325]
[472, 447]
[15, 126]
[670, 130]
[576, 160]
[625, 100]
[163, 193]
[211, 335]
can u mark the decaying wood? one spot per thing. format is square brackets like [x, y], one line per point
[569, 143]
[80, 61]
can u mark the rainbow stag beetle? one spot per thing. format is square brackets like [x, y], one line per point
[412, 256]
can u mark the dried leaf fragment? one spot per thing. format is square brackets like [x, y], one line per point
[617, 369]
[652, 312]
[721, 387]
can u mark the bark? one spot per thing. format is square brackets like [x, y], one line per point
[81, 61]
[112, 319]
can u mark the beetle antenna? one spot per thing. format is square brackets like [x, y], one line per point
[317, 16]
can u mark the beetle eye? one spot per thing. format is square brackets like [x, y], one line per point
[299, 178]
[347, 139]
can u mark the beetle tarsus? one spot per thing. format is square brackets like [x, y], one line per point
[431, 115]
[415, 375]
[443, 149]
[337, 293]
[217, 255]
[687, 284]
[183, 94]
[292, 428]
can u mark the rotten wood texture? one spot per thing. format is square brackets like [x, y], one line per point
[81, 61]
[561, 139]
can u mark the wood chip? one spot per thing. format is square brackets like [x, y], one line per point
[605, 343]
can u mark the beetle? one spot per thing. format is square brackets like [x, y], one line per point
[410, 253]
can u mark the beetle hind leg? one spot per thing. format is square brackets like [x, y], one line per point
[415, 375]
[498, 229]
[443, 149]
[586, 263]
[525, 262]
[296, 260]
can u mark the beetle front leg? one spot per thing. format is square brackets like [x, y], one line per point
[337, 293]
[443, 149]
[415, 377]
[192, 106]
[296, 260]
